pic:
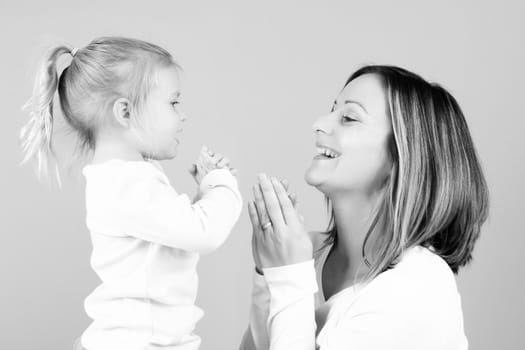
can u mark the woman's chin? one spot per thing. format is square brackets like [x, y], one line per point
[312, 177]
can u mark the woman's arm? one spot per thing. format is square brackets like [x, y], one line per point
[256, 336]
[291, 319]
[283, 306]
[285, 251]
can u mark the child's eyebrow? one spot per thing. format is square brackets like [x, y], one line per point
[175, 94]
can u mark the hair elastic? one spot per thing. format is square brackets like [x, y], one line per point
[74, 51]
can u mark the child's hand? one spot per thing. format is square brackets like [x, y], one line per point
[207, 162]
[213, 160]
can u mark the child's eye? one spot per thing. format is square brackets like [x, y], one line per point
[175, 103]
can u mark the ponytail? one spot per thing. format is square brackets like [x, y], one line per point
[104, 70]
[36, 135]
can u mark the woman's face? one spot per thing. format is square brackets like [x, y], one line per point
[352, 141]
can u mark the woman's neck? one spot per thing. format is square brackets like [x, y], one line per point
[353, 214]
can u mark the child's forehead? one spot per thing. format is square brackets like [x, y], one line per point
[168, 81]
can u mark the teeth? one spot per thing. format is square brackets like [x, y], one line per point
[327, 152]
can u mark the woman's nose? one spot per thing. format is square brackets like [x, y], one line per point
[183, 117]
[323, 124]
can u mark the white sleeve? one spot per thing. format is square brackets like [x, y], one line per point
[291, 319]
[256, 336]
[147, 207]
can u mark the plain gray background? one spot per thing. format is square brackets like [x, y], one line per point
[257, 74]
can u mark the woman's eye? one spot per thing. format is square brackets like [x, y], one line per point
[175, 103]
[347, 119]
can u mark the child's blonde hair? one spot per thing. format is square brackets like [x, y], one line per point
[103, 71]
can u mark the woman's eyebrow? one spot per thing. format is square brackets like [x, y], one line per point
[351, 101]
[175, 94]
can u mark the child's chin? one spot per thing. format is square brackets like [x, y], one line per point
[165, 156]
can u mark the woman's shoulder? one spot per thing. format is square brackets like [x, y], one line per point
[419, 267]
[417, 297]
[426, 264]
[421, 279]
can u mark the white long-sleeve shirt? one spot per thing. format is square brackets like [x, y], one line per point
[146, 243]
[415, 305]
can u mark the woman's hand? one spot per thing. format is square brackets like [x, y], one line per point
[255, 219]
[279, 235]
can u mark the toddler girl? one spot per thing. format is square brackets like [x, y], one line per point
[122, 98]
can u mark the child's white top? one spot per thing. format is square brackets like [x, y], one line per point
[146, 243]
[413, 306]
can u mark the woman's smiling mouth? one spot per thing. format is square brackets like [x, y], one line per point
[324, 152]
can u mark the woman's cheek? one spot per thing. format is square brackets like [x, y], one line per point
[362, 164]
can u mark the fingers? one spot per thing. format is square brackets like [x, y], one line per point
[206, 150]
[210, 155]
[286, 205]
[224, 162]
[206, 161]
[260, 206]
[213, 160]
[205, 153]
[216, 158]
[193, 170]
[254, 218]
[201, 171]
[202, 166]
[272, 203]
[293, 196]
[256, 236]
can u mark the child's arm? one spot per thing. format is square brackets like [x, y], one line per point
[147, 207]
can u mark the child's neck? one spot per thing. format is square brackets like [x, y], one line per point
[108, 149]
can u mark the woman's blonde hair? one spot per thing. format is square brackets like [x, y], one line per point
[436, 194]
[103, 71]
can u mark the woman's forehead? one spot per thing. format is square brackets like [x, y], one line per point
[366, 90]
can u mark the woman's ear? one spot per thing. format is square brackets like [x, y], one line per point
[121, 112]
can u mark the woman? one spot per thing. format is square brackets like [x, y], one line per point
[407, 198]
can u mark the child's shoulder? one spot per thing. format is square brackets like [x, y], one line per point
[155, 163]
[116, 167]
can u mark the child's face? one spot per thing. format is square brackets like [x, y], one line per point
[162, 116]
